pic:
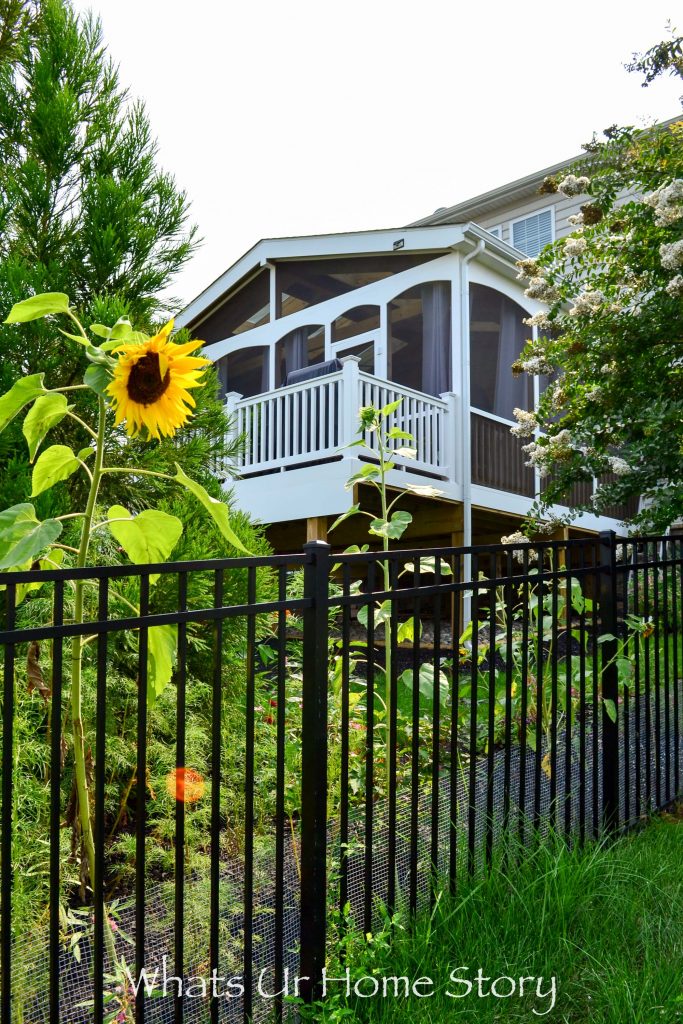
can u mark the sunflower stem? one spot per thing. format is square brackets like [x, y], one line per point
[80, 772]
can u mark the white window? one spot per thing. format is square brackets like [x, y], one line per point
[530, 234]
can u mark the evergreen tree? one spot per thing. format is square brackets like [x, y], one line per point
[84, 209]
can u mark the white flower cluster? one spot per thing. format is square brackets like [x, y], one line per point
[671, 255]
[594, 394]
[527, 268]
[675, 287]
[539, 288]
[576, 219]
[667, 202]
[587, 302]
[575, 246]
[537, 365]
[538, 320]
[543, 456]
[573, 186]
[518, 538]
[526, 423]
[619, 467]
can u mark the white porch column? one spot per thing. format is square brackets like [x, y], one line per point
[451, 431]
[350, 402]
[234, 426]
[382, 344]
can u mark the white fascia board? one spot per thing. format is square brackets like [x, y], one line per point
[518, 504]
[355, 243]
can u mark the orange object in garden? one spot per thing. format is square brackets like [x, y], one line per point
[186, 785]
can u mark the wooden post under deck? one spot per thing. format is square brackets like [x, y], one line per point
[457, 541]
[316, 528]
[562, 533]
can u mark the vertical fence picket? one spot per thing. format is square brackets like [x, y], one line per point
[180, 781]
[609, 682]
[100, 763]
[55, 814]
[141, 802]
[314, 770]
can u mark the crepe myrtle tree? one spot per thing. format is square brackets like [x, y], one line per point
[609, 348]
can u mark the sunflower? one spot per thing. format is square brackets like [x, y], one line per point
[152, 382]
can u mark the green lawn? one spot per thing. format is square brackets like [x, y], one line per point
[606, 923]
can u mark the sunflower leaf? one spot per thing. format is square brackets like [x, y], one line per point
[20, 394]
[147, 537]
[38, 306]
[97, 378]
[162, 645]
[218, 510]
[22, 536]
[46, 413]
[75, 337]
[56, 463]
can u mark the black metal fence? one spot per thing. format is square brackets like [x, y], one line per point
[348, 731]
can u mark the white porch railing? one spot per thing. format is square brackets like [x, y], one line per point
[310, 422]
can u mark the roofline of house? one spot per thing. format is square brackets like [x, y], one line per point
[521, 188]
[436, 238]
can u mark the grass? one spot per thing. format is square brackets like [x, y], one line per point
[606, 922]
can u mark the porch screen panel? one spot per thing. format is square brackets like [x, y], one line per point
[420, 338]
[497, 337]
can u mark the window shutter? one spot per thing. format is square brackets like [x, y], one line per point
[532, 233]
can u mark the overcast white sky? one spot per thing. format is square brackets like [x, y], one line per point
[308, 116]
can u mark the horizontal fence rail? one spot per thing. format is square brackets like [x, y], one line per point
[276, 743]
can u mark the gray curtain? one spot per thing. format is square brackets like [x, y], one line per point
[296, 350]
[222, 370]
[510, 391]
[436, 337]
[265, 375]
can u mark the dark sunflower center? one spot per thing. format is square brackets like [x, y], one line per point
[145, 384]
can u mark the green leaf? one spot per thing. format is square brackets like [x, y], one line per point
[46, 412]
[406, 631]
[75, 337]
[218, 510]
[382, 614]
[394, 529]
[624, 670]
[161, 653]
[396, 434]
[22, 536]
[97, 378]
[147, 537]
[20, 394]
[429, 565]
[38, 306]
[610, 708]
[391, 407]
[426, 682]
[51, 560]
[368, 472]
[345, 515]
[56, 463]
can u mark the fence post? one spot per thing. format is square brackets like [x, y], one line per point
[610, 681]
[314, 771]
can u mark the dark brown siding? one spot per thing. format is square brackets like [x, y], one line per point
[498, 459]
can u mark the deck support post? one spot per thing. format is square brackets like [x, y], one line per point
[458, 607]
[316, 529]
